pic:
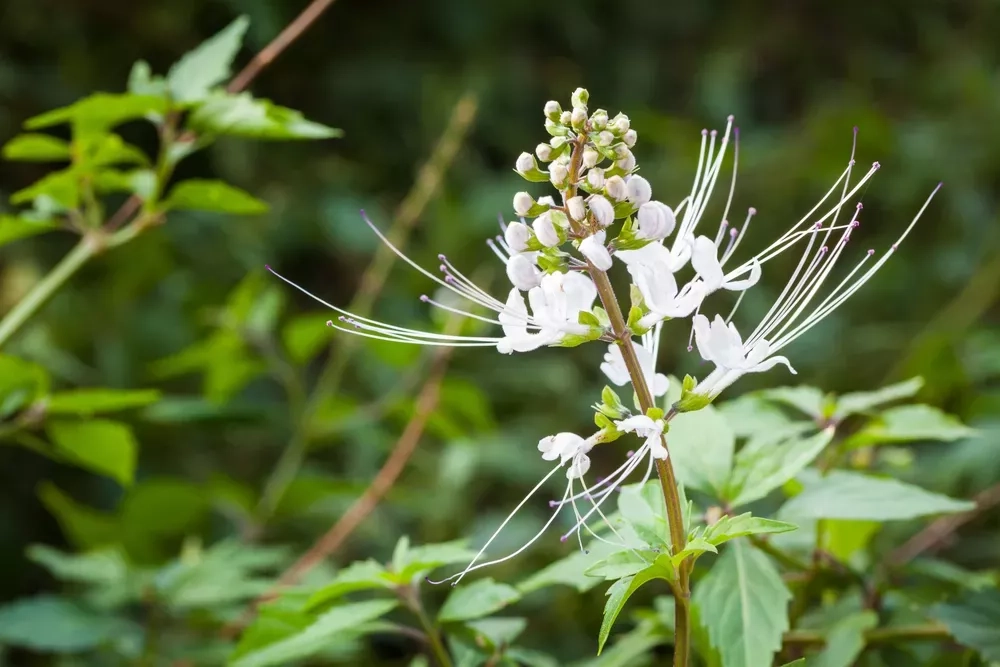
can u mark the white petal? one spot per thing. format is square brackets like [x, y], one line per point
[771, 363]
[523, 273]
[704, 259]
[746, 283]
[595, 251]
[636, 423]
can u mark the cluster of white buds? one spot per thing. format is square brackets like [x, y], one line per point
[559, 249]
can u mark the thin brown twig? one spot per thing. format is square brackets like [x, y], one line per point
[938, 532]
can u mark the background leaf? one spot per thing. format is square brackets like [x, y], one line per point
[207, 66]
[476, 600]
[974, 621]
[100, 445]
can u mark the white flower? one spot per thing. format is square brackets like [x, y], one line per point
[599, 119]
[517, 236]
[705, 261]
[523, 273]
[545, 230]
[556, 305]
[638, 191]
[657, 254]
[579, 117]
[650, 429]
[595, 251]
[567, 447]
[544, 152]
[656, 221]
[590, 157]
[630, 138]
[523, 203]
[616, 371]
[620, 124]
[558, 173]
[525, 163]
[601, 209]
[615, 188]
[595, 178]
[722, 345]
[577, 210]
[564, 117]
[552, 108]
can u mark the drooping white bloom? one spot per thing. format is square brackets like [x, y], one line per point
[523, 203]
[545, 230]
[638, 190]
[656, 221]
[616, 371]
[705, 261]
[517, 236]
[555, 310]
[576, 208]
[615, 188]
[648, 428]
[523, 273]
[663, 298]
[595, 251]
[602, 210]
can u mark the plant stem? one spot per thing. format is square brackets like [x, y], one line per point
[45, 288]
[412, 600]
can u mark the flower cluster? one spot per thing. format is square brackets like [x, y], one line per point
[558, 250]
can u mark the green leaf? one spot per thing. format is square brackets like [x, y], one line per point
[731, 527]
[864, 401]
[207, 195]
[479, 599]
[244, 116]
[569, 571]
[84, 526]
[50, 623]
[974, 621]
[643, 508]
[141, 80]
[768, 461]
[105, 447]
[359, 576]
[86, 402]
[419, 561]
[140, 182]
[911, 422]
[314, 638]
[304, 336]
[21, 383]
[622, 590]
[621, 564]
[60, 189]
[157, 512]
[13, 227]
[108, 149]
[36, 148]
[743, 603]
[801, 662]
[701, 446]
[104, 567]
[808, 400]
[750, 414]
[850, 495]
[199, 71]
[843, 538]
[100, 112]
[845, 640]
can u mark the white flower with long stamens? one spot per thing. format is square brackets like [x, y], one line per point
[615, 369]
[705, 260]
[556, 305]
[523, 273]
[658, 286]
[648, 428]
[656, 221]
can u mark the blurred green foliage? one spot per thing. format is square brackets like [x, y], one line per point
[164, 350]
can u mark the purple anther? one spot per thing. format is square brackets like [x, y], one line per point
[871, 251]
[733, 232]
[714, 133]
[736, 132]
[442, 257]
[876, 165]
[424, 298]
[851, 163]
[267, 266]
[895, 246]
[564, 538]
[730, 118]
[449, 279]
[704, 131]
[752, 211]
[329, 323]
[823, 249]
[690, 348]
[630, 453]
[855, 130]
[342, 318]
[860, 206]
[553, 503]
[855, 223]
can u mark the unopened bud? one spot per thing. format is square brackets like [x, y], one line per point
[656, 221]
[627, 162]
[565, 117]
[605, 138]
[517, 236]
[545, 230]
[578, 119]
[619, 124]
[590, 157]
[599, 119]
[553, 110]
[547, 200]
[523, 273]
[544, 152]
[614, 187]
[630, 138]
[558, 173]
[595, 251]
[595, 178]
[638, 191]
[579, 98]
[523, 203]
[525, 163]
[577, 210]
[601, 209]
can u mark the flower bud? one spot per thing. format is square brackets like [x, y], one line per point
[517, 236]
[601, 209]
[577, 210]
[525, 163]
[523, 203]
[599, 119]
[590, 157]
[605, 138]
[544, 152]
[630, 138]
[595, 251]
[523, 273]
[638, 191]
[565, 117]
[552, 110]
[558, 173]
[620, 150]
[558, 142]
[619, 124]
[614, 187]
[579, 118]
[626, 162]
[656, 221]
[547, 200]
[579, 98]
[595, 178]
[546, 231]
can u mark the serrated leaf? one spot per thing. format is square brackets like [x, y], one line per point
[743, 604]
[569, 571]
[622, 590]
[765, 463]
[103, 446]
[850, 495]
[61, 189]
[245, 116]
[317, 636]
[476, 600]
[621, 564]
[33, 147]
[845, 641]
[643, 508]
[100, 112]
[207, 195]
[86, 402]
[730, 527]
[864, 401]
[911, 422]
[974, 621]
[50, 623]
[423, 559]
[199, 71]
[701, 447]
[808, 400]
[13, 227]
